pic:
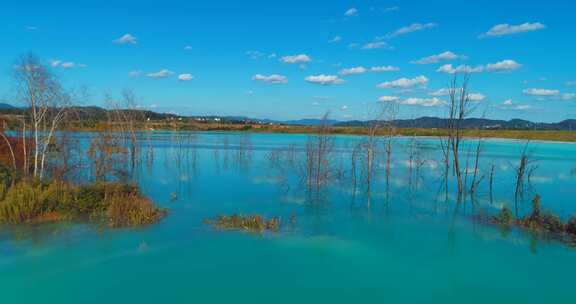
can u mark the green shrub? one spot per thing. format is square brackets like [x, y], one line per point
[22, 203]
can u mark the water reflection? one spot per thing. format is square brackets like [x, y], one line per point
[332, 177]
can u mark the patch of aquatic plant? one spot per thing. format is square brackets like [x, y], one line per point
[131, 209]
[505, 217]
[539, 222]
[117, 204]
[542, 221]
[251, 223]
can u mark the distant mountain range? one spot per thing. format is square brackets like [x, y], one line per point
[6, 106]
[98, 113]
[474, 123]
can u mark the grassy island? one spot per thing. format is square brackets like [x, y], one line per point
[112, 203]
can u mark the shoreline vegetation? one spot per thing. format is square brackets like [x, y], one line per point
[46, 176]
[111, 203]
[525, 135]
[545, 135]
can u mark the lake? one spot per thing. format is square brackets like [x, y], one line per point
[407, 240]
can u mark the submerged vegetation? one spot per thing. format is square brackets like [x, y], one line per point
[250, 223]
[539, 222]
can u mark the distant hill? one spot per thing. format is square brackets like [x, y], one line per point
[95, 113]
[310, 122]
[472, 123]
[4, 106]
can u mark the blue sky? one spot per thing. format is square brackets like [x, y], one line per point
[297, 59]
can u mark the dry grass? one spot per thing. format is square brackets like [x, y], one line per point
[250, 223]
[119, 205]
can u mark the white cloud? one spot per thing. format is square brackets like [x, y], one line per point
[344, 108]
[384, 68]
[414, 27]
[353, 71]
[541, 92]
[274, 78]
[351, 12]
[67, 65]
[508, 104]
[405, 83]
[424, 102]
[254, 54]
[521, 107]
[375, 45]
[160, 74]
[439, 57]
[570, 83]
[448, 68]
[507, 29]
[504, 65]
[361, 70]
[501, 66]
[335, 39]
[188, 48]
[324, 79]
[57, 63]
[388, 98]
[126, 39]
[476, 97]
[568, 96]
[301, 58]
[185, 77]
[134, 73]
[440, 92]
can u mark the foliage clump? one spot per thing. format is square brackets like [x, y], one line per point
[117, 204]
[131, 209]
[505, 217]
[539, 221]
[250, 223]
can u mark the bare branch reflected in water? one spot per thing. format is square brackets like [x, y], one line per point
[243, 153]
[319, 158]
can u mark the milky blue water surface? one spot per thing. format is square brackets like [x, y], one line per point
[410, 244]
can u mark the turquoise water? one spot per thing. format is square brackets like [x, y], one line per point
[411, 244]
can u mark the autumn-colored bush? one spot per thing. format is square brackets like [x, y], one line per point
[117, 204]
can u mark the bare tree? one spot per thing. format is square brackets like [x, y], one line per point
[318, 156]
[390, 112]
[476, 178]
[46, 106]
[459, 107]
